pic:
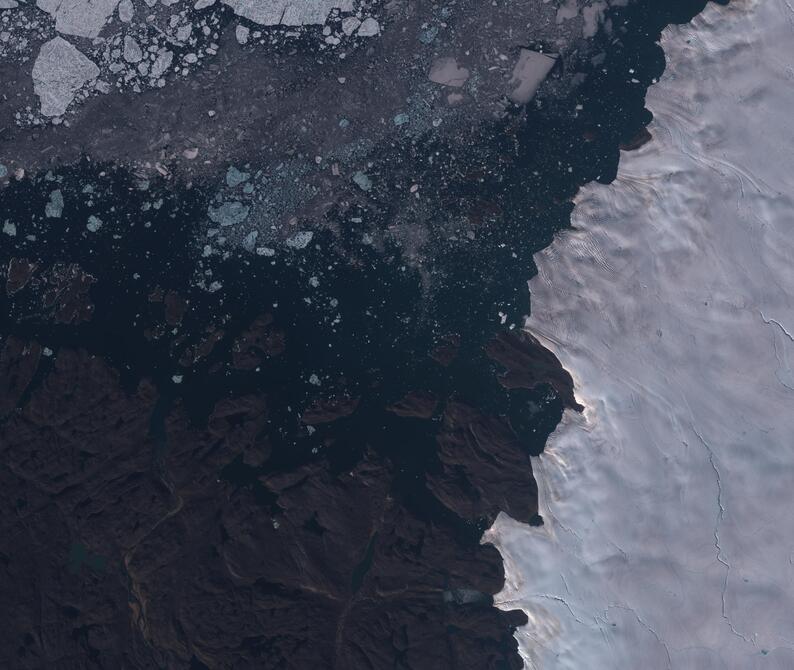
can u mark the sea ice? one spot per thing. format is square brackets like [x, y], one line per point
[299, 240]
[126, 11]
[288, 12]
[94, 223]
[235, 177]
[447, 72]
[132, 50]
[229, 213]
[362, 181]
[82, 18]
[162, 63]
[59, 72]
[54, 206]
[369, 28]
[528, 74]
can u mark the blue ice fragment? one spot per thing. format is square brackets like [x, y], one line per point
[234, 177]
[363, 182]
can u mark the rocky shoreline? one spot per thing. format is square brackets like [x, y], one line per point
[283, 450]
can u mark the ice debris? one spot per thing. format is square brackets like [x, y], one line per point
[229, 213]
[362, 181]
[235, 177]
[528, 74]
[94, 223]
[132, 50]
[569, 9]
[242, 33]
[447, 72]
[299, 240]
[369, 28]
[350, 24]
[54, 207]
[161, 63]
[427, 35]
[593, 16]
[249, 241]
[126, 11]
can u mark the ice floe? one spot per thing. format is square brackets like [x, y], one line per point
[288, 12]
[447, 72]
[529, 72]
[82, 18]
[59, 72]
[54, 207]
[228, 213]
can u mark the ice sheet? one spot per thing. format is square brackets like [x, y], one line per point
[669, 526]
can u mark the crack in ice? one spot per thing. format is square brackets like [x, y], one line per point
[717, 544]
[780, 364]
[777, 323]
[644, 624]
[562, 600]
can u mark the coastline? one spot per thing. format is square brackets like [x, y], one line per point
[322, 429]
[664, 543]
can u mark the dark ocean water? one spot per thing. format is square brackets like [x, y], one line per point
[390, 316]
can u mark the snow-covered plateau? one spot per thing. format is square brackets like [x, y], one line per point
[668, 539]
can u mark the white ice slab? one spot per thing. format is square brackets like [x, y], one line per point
[288, 12]
[60, 70]
[530, 70]
[83, 18]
